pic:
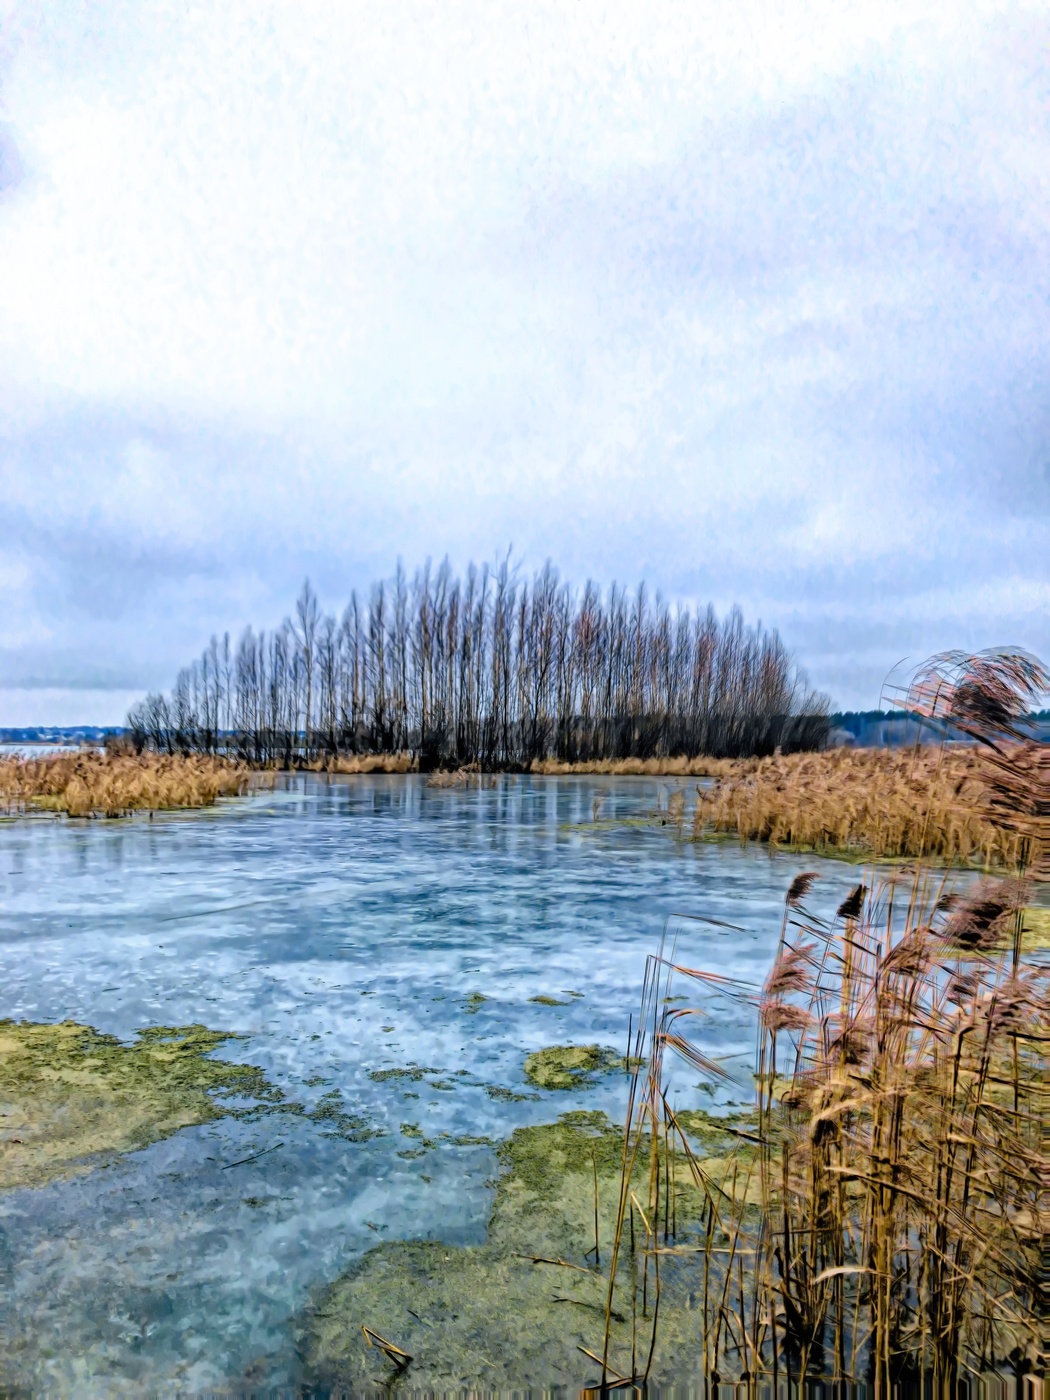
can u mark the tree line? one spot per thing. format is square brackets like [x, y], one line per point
[489, 669]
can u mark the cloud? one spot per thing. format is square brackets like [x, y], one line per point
[750, 301]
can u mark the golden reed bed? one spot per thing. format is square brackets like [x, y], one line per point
[547, 768]
[918, 802]
[86, 783]
[906, 803]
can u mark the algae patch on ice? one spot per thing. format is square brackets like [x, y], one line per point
[70, 1096]
[569, 1066]
[507, 1315]
[481, 1311]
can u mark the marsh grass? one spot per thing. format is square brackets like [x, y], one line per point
[401, 762]
[88, 783]
[926, 803]
[880, 1216]
[639, 767]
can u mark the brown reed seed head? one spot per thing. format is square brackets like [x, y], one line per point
[792, 971]
[980, 922]
[852, 904]
[799, 887]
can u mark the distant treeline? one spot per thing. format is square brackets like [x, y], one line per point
[490, 670]
[900, 728]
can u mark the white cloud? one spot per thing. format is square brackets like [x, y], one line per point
[749, 298]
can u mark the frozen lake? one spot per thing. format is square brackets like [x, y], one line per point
[345, 927]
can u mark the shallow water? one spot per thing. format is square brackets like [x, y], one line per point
[344, 927]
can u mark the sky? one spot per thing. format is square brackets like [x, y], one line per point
[749, 301]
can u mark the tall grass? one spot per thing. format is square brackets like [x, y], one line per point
[926, 803]
[87, 783]
[884, 1216]
[679, 767]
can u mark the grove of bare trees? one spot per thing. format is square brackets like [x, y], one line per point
[492, 670]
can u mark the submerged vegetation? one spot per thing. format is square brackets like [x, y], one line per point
[568, 1066]
[71, 1097]
[89, 783]
[490, 670]
[521, 1311]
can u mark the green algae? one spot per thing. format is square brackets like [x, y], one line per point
[549, 1001]
[506, 1315]
[340, 1124]
[569, 1066]
[474, 1002]
[503, 1095]
[71, 1097]
[717, 1133]
[413, 1073]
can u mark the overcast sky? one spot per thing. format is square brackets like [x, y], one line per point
[749, 300]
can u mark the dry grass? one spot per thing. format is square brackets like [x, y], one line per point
[915, 803]
[87, 783]
[366, 763]
[639, 767]
[469, 776]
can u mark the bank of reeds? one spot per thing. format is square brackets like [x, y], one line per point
[638, 767]
[87, 783]
[884, 1217]
[398, 763]
[923, 802]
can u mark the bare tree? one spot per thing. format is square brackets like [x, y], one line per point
[493, 670]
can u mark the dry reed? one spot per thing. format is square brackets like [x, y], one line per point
[361, 763]
[638, 767]
[87, 783]
[926, 802]
[884, 1219]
